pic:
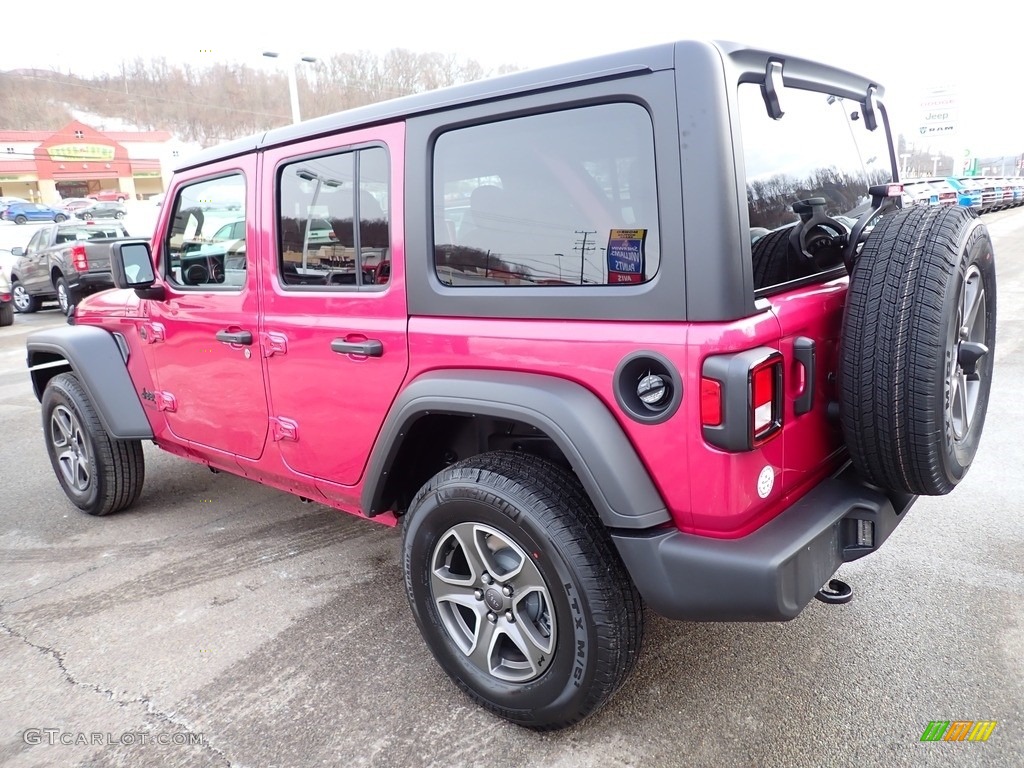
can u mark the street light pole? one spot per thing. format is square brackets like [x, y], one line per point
[293, 82]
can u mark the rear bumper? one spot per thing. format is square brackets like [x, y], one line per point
[771, 574]
[90, 282]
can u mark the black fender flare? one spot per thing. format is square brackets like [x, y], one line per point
[95, 356]
[582, 427]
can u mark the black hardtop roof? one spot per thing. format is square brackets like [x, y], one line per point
[636, 61]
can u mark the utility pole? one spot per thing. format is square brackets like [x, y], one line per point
[584, 248]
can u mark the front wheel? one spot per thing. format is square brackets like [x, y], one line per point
[518, 591]
[59, 218]
[119, 215]
[98, 473]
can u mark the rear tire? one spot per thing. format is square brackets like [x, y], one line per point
[24, 302]
[99, 474]
[6, 314]
[917, 349]
[19, 219]
[65, 299]
[507, 520]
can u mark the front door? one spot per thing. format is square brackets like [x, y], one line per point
[204, 336]
[334, 321]
[32, 271]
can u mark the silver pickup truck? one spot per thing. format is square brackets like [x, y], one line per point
[64, 262]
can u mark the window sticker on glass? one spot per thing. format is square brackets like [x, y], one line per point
[626, 256]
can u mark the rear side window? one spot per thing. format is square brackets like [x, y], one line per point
[563, 198]
[820, 148]
[320, 246]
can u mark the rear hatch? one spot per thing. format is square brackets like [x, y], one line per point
[785, 441]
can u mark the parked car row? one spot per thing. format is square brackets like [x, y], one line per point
[80, 208]
[981, 193]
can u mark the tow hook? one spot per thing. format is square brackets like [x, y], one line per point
[836, 592]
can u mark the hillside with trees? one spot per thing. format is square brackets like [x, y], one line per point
[223, 101]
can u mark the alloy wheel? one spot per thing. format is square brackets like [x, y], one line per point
[971, 324]
[493, 602]
[71, 448]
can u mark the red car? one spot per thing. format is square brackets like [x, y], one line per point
[597, 392]
[109, 195]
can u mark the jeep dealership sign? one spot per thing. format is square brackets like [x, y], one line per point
[938, 114]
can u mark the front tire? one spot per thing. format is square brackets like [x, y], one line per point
[99, 474]
[518, 591]
[59, 218]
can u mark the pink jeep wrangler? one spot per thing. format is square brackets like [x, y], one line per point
[646, 330]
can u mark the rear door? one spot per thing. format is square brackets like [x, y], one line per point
[819, 151]
[335, 318]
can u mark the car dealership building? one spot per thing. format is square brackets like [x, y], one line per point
[78, 161]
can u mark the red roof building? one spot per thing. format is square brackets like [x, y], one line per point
[78, 161]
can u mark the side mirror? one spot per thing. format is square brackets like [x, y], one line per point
[131, 266]
[19, 251]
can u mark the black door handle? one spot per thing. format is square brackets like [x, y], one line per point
[370, 347]
[804, 352]
[235, 337]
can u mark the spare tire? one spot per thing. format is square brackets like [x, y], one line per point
[917, 349]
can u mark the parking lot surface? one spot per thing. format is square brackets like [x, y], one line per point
[221, 623]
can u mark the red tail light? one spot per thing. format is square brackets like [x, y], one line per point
[78, 258]
[765, 384]
[741, 398]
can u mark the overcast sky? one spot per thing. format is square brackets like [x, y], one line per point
[910, 48]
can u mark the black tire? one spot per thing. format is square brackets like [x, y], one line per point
[911, 411]
[24, 302]
[99, 474]
[60, 217]
[537, 515]
[775, 260]
[6, 314]
[20, 219]
[65, 299]
[119, 215]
